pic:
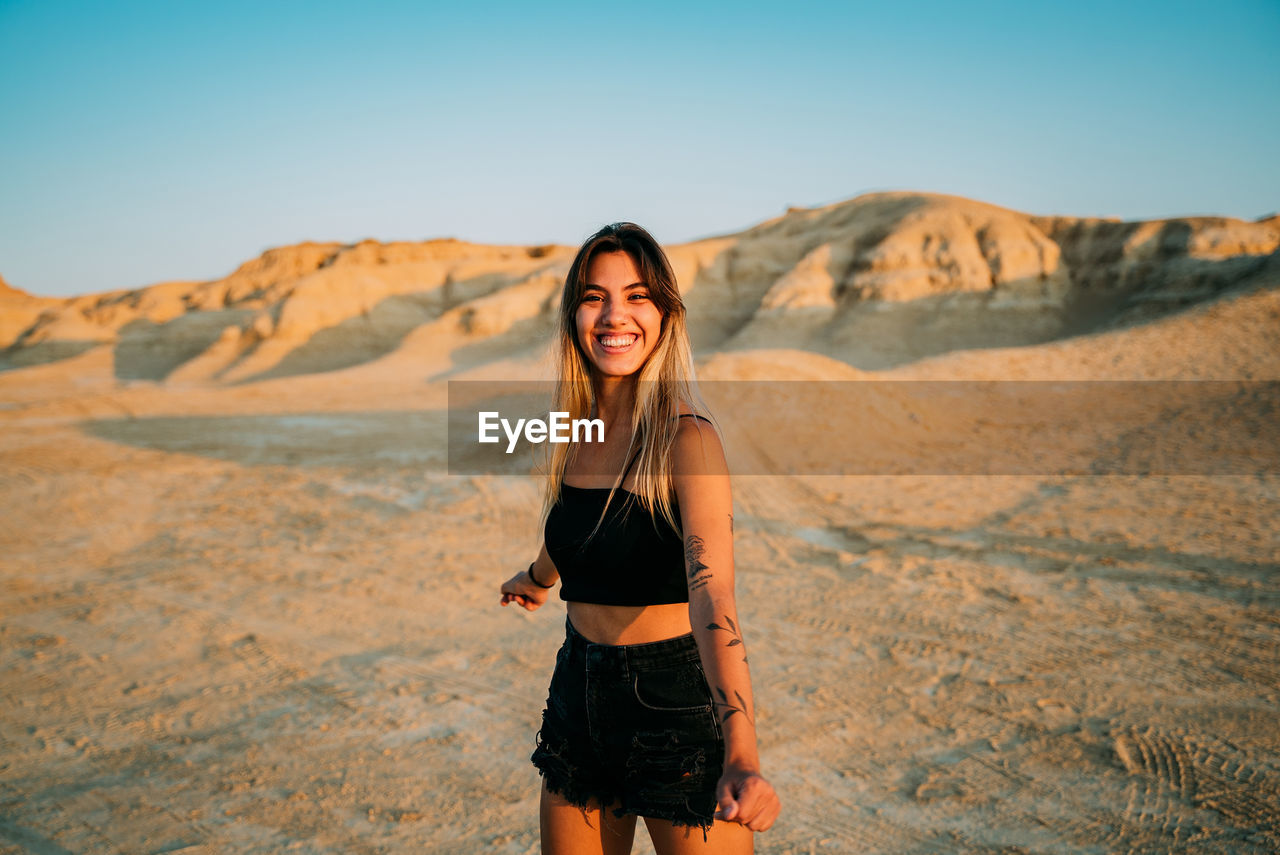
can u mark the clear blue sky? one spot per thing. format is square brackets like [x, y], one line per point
[142, 142]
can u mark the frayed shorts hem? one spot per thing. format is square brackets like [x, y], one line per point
[583, 798]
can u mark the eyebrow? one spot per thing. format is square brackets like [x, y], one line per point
[624, 288]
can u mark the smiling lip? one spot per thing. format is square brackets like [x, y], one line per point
[617, 342]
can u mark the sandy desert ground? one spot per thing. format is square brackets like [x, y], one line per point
[246, 608]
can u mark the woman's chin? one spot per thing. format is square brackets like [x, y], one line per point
[620, 365]
[616, 372]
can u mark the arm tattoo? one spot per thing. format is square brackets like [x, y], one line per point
[732, 629]
[730, 525]
[728, 709]
[699, 575]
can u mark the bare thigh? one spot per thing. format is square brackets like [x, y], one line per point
[571, 830]
[723, 838]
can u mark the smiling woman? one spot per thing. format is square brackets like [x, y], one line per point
[618, 323]
[649, 711]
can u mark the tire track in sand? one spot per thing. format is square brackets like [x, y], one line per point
[1172, 768]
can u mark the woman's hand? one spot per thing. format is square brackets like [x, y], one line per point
[523, 591]
[744, 797]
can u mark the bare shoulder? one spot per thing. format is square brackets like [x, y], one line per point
[698, 450]
[700, 476]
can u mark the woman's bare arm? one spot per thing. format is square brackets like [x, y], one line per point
[706, 510]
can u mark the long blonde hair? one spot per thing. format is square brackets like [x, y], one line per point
[665, 381]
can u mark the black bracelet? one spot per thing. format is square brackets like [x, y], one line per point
[534, 578]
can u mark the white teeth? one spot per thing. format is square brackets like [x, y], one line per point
[617, 340]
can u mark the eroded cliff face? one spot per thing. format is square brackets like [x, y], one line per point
[895, 277]
[1135, 270]
[20, 312]
[298, 309]
[876, 281]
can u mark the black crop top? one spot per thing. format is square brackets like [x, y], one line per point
[634, 559]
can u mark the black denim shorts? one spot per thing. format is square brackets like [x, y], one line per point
[633, 724]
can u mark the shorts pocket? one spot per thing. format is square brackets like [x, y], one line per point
[674, 763]
[680, 689]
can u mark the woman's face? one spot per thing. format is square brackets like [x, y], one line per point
[618, 323]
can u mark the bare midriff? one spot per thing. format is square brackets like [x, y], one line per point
[629, 624]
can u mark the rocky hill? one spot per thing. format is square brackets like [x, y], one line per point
[874, 282]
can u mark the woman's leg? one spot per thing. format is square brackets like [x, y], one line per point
[723, 838]
[571, 830]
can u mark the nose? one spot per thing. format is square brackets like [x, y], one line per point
[614, 313]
